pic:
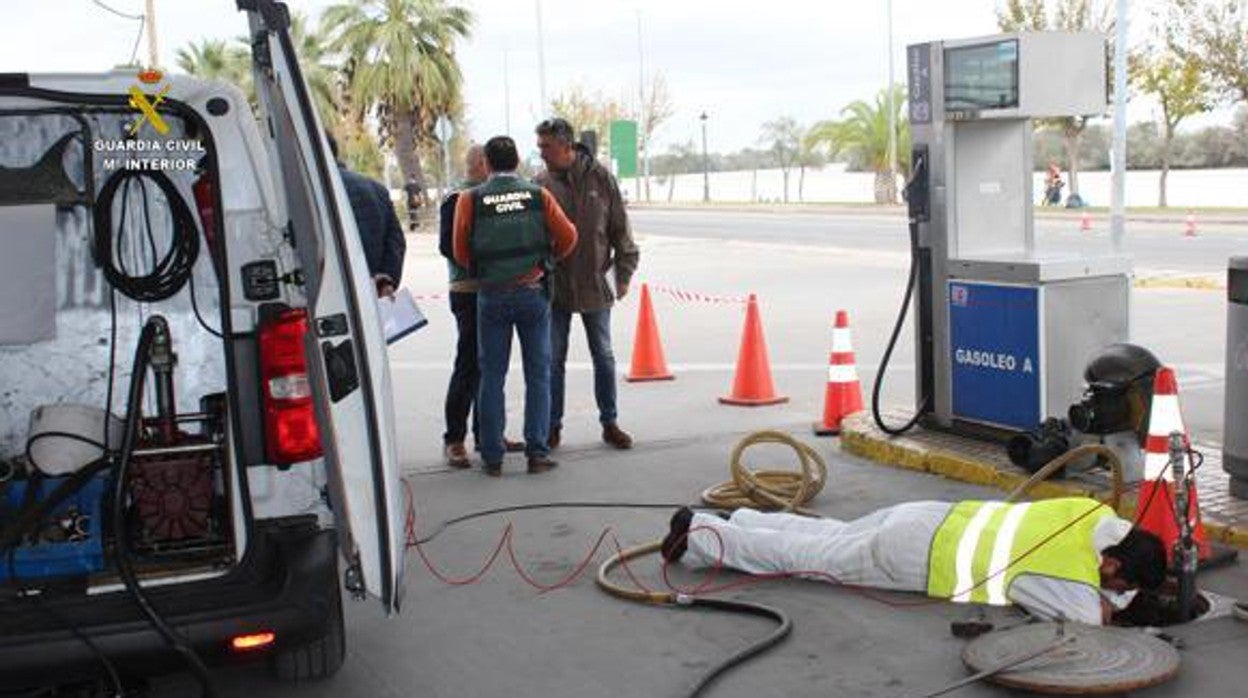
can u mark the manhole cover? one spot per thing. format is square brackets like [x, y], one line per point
[1098, 660]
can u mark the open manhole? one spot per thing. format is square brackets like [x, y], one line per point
[1161, 609]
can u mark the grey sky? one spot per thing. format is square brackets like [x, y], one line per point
[742, 61]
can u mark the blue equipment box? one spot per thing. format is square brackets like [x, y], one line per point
[60, 558]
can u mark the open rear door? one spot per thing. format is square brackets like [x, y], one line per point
[347, 360]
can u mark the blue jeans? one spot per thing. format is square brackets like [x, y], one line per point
[528, 311]
[598, 334]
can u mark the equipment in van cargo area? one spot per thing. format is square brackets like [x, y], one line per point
[170, 474]
[46, 180]
[27, 284]
[64, 438]
[68, 542]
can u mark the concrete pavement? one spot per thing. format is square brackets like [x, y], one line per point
[501, 637]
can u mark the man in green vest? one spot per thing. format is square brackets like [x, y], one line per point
[461, 391]
[1069, 558]
[508, 234]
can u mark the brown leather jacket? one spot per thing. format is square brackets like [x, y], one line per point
[590, 196]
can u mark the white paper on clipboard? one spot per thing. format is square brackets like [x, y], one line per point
[400, 316]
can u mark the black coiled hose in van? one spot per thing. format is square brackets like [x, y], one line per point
[167, 273]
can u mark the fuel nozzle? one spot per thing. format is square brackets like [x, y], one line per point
[1185, 558]
[163, 360]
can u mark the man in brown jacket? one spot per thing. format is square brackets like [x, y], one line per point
[591, 197]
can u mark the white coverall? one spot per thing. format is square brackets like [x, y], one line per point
[887, 549]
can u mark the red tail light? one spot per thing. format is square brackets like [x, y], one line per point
[291, 434]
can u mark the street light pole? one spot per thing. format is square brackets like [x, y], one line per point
[541, 59]
[892, 109]
[506, 95]
[641, 114]
[1117, 209]
[153, 52]
[706, 164]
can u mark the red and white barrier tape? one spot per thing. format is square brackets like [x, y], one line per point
[685, 296]
[680, 295]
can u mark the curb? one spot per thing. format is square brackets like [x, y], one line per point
[882, 210]
[859, 438]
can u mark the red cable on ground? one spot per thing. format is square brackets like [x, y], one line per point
[576, 573]
[706, 586]
[505, 541]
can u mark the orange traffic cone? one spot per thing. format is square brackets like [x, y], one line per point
[648, 361]
[1189, 225]
[752, 385]
[1085, 222]
[844, 393]
[1155, 511]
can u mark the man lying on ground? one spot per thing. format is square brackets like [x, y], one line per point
[1070, 558]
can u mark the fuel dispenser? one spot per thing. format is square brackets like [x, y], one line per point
[1004, 328]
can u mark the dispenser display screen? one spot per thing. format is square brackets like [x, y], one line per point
[981, 77]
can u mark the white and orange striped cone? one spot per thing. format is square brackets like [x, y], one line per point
[1189, 225]
[1155, 510]
[1085, 222]
[843, 396]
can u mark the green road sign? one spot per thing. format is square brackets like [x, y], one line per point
[624, 147]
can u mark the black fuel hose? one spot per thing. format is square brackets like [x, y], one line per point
[911, 196]
[892, 344]
[142, 358]
[758, 647]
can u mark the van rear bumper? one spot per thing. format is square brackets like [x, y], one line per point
[287, 584]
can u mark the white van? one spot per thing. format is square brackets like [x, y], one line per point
[190, 268]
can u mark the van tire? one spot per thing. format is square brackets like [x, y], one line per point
[318, 659]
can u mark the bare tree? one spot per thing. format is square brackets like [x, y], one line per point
[1060, 15]
[1180, 87]
[783, 137]
[658, 109]
[587, 111]
[1215, 33]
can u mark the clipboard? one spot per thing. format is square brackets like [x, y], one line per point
[399, 315]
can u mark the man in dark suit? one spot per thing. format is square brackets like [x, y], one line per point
[380, 233]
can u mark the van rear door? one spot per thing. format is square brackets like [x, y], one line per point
[347, 361]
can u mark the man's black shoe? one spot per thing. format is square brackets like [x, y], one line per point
[540, 464]
[493, 470]
[677, 540]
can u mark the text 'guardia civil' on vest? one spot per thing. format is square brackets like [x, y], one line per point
[509, 201]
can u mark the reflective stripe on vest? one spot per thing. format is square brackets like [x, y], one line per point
[509, 235]
[981, 547]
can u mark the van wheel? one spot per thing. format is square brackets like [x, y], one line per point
[318, 659]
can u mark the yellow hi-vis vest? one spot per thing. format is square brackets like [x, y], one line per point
[981, 547]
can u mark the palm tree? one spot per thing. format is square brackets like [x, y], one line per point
[318, 72]
[400, 55]
[214, 59]
[862, 134]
